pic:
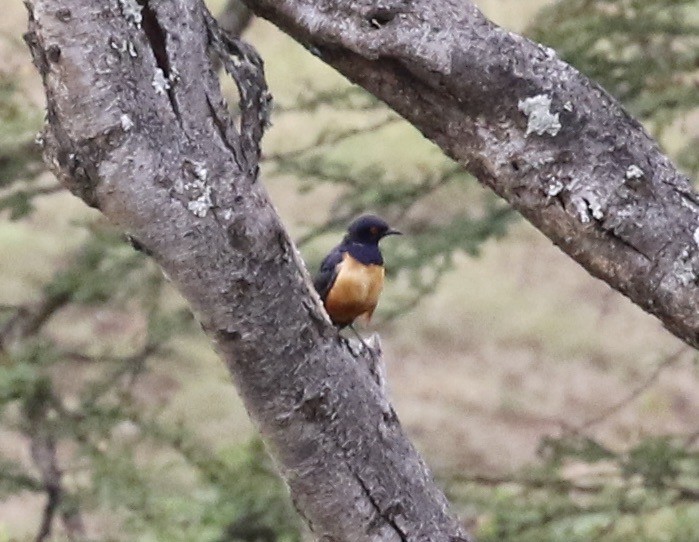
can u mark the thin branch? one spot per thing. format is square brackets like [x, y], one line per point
[324, 140]
[641, 388]
[43, 449]
[29, 318]
[682, 493]
[43, 190]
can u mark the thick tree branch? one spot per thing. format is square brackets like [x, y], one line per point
[551, 142]
[137, 127]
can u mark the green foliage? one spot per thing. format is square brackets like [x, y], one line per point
[24, 377]
[19, 155]
[659, 461]
[251, 500]
[105, 268]
[18, 203]
[645, 494]
[557, 450]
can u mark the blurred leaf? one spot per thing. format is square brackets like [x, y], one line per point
[556, 450]
[656, 460]
[19, 204]
[19, 155]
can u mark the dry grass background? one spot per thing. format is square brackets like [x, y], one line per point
[514, 344]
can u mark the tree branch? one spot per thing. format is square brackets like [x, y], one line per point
[551, 142]
[634, 394]
[43, 452]
[43, 449]
[29, 318]
[138, 128]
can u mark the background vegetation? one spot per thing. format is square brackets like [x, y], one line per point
[549, 407]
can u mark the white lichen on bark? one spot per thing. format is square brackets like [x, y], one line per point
[684, 270]
[588, 206]
[125, 46]
[555, 187]
[132, 11]
[634, 172]
[200, 206]
[160, 83]
[126, 122]
[540, 120]
[202, 202]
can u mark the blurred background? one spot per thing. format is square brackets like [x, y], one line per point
[549, 407]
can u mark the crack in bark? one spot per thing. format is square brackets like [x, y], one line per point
[157, 38]
[222, 128]
[385, 515]
[627, 243]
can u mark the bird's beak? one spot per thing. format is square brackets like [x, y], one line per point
[392, 232]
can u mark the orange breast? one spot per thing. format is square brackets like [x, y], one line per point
[355, 292]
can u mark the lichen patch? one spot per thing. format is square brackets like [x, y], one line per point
[160, 83]
[132, 12]
[540, 120]
[634, 172]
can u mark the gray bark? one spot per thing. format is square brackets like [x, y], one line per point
[137, 128]
[551, 142]
[234, 18]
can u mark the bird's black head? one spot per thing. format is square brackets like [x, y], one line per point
[369, 229]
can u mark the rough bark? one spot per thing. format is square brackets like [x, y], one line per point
[551, 142]
[137, 128]
[234, 18]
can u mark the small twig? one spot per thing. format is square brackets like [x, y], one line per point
[420, 191]
[129, 365]
[331, 97]
[638, 391]
[29, 318]
[43, 190]
[333, 139]
[684, 493]
[136, 357]
[529, 483]
[328, 226]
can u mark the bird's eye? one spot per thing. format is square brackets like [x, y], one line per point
[374, 230]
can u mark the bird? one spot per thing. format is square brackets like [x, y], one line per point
[351, 276]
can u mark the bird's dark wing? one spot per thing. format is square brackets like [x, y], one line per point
[325, 278]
